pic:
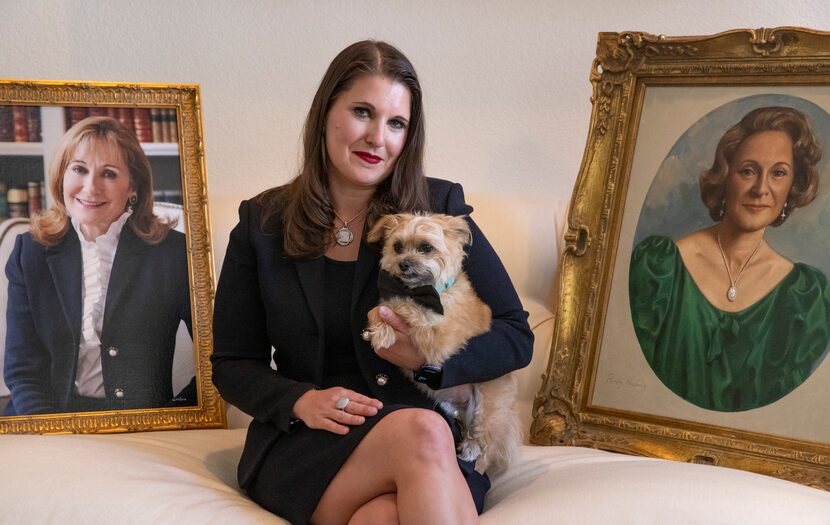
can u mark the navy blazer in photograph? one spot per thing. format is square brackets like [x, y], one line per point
[265, 299]
[147, 297]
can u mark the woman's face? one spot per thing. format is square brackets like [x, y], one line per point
[366, 130]
[96, 186]
[759, 181]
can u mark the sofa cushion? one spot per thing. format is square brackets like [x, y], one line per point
[577, 485]
[177, 477]
[189, 477]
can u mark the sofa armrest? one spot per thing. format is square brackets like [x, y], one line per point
[541, 321]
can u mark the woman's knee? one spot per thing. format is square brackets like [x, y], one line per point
[423, 434]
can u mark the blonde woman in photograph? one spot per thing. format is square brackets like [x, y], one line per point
[98, 288]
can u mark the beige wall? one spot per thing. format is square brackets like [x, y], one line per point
[506, 83]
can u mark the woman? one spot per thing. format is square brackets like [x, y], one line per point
[725, 321]
[299, 276]
[98, 287]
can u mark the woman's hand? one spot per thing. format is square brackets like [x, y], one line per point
[402, 353]
[317, 409]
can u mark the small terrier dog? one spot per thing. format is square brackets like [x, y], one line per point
[422, 281]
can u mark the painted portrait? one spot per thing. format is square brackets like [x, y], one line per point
[694, 312]
[727, 284]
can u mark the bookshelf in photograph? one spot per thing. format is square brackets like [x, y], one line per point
[29, 136]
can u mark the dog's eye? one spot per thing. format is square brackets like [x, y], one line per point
[398, 247]
[425, 248]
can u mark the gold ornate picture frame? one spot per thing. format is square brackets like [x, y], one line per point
[660, 107]
[166, 120]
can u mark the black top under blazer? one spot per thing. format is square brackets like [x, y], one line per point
[147, 297]
[264, 299]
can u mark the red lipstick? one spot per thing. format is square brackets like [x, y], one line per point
[368, 157]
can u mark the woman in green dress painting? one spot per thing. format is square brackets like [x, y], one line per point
[724, 320]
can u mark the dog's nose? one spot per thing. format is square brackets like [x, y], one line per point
[404, 265]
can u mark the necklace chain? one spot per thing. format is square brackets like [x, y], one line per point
[344, 235]
[732, 293]
[346, 222]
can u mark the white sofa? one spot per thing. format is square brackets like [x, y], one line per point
[189, 477]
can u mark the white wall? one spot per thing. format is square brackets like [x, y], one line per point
[506, 82]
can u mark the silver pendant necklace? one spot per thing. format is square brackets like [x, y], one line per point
[732, 293]
[344, 235]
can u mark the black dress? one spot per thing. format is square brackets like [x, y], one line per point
[290, 491]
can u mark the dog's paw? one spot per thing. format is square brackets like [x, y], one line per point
[469, 450]
[381, 336]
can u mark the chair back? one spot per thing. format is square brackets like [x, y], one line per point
[9, 230]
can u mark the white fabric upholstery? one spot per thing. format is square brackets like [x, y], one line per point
[188, 477]
[574, 485]
[181, 477]
[169, 211]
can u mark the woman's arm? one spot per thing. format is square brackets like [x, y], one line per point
[242, 352]
[508, 345]
[27, 362]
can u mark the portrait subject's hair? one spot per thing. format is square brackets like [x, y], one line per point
[806, 154]
[304, 205]
[50, 226]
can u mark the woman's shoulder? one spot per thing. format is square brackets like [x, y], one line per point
[803, 289]
[655, 247]
[174, 239]
[33, 247]
[447, 197]
[809, 276]
[440, 186]
[266, 203]
[29, 254]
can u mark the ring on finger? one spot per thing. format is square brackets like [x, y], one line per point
[342, 403]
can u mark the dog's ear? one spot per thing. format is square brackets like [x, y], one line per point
[458, 229]
[381, 227]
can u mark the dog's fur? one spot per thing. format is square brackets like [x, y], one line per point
[428, 249]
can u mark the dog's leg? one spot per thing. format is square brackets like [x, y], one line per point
[470, 448]
[497, 428]
[379, 333]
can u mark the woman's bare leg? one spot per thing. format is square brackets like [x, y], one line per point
[382, 510]
[409, 453]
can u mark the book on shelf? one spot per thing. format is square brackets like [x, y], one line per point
[21, 128]
[141, 124]
[33, 123]
[6, 124]
[33, 192]
[18, 202]
[4, 204]
[98, 111]
[73, 115]
[170, 196]
[156, 124]
[148, 124]
[125, 117]
[173, 132]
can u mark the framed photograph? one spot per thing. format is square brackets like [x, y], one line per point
[694, 312]
[108, 288]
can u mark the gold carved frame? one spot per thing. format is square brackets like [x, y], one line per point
[186, 101]
[626, 66]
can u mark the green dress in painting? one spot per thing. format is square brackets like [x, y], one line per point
[726, 361]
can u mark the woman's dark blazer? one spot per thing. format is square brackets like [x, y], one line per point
[148, 295]
[265, 299]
